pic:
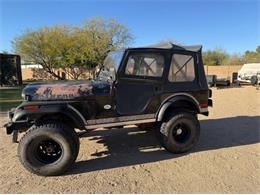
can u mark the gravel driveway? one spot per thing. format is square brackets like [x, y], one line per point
[226, 160]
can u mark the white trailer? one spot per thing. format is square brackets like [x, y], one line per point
[249, 73]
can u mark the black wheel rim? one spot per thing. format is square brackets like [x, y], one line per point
[181, 133]
[48, 151]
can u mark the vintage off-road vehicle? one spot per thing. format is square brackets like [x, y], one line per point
[162, 87]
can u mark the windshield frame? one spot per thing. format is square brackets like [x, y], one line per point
[112, 67]
[117, 56]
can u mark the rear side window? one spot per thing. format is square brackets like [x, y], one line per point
[145, 65]
[182, 68]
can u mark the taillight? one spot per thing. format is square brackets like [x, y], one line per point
[205, 105]
[32, 107]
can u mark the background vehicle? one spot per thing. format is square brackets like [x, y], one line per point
[10, 70]
[214, 81]
[248, 73]
[162, 87]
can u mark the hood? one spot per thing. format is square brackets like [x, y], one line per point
[64, 90]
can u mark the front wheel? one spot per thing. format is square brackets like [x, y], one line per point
[49, 148]
[180, 132]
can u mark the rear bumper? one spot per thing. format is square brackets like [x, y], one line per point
[205, 111]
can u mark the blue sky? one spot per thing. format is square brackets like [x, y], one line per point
[231, 25]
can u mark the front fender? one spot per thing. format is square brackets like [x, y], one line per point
[64, 109]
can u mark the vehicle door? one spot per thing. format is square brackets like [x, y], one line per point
[140, 84]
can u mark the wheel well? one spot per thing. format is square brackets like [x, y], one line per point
[59, 117]
[180, 105]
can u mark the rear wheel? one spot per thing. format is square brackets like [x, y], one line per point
[49, 148]
[253, 80]
[180, 132]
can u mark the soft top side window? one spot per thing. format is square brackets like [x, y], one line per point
[145, 64]
[182, 68]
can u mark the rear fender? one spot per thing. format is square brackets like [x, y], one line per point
[172, 101]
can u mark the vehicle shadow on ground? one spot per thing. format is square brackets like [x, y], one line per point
[130, 146]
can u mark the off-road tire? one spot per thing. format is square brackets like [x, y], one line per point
[53, 133]
[188, 137]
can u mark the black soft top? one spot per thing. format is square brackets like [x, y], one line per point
[172, 46]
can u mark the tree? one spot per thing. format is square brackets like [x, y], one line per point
[252, 56]
[258, 50]
[72, 49]
[220, 57]
[215, 57]
[235, 59]
[4, 52]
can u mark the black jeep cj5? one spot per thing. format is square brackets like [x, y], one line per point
[162, 87]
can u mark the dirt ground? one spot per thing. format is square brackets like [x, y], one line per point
[226, 160]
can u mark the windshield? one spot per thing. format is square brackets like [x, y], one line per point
[110, 66]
